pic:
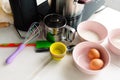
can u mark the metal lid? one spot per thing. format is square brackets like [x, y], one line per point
[55, 20]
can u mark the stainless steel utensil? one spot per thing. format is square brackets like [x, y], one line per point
[56, 28]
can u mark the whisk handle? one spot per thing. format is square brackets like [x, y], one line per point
[14, 54]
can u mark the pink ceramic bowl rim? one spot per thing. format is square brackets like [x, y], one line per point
[85, 44]
[111, 45]
[113, 34]
[103, 29]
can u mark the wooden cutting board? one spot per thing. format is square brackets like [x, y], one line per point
[4, 24]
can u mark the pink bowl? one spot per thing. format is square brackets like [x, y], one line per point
[81, 60]
[114, 41]
[92, 31]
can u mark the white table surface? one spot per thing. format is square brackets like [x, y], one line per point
[29, 65]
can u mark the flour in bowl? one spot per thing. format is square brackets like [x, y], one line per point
[89, 35]
[116, 41]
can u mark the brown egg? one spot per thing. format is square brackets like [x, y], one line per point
[96, 64]
[93, 53]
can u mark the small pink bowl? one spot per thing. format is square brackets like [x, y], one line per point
[81, 60]
[92, 31]
[114, 41]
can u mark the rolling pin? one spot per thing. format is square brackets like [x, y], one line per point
[4, 24]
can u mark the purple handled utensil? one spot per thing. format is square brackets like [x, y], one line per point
[31, 35]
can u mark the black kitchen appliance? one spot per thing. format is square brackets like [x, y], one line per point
[24, 13]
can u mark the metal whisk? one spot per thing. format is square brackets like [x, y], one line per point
[32, 34]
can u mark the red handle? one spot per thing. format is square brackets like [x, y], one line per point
[15, 44]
